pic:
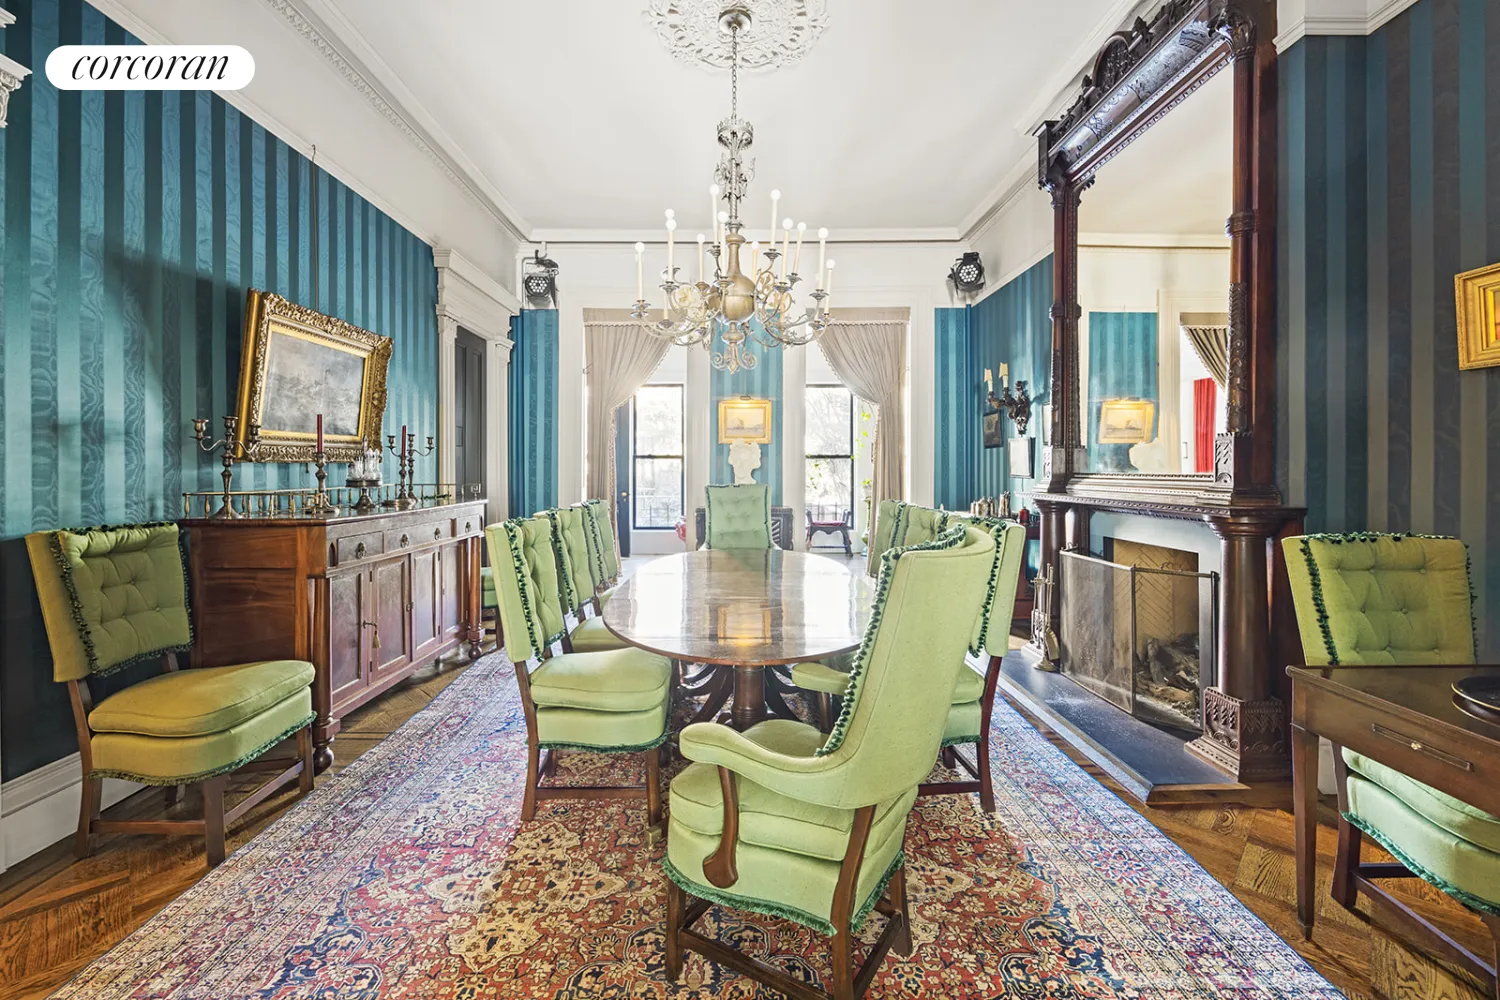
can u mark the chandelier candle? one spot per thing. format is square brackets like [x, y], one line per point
[671, 229]
[640, 272]
[786, 239]
[797, 262]
[700, 258]
[775, 200]
[822, 254]
[713, 210]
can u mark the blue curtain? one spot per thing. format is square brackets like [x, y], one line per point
[533, 412]
[1122, 365]
[959, 386]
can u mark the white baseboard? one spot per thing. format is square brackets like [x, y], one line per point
[40, 808]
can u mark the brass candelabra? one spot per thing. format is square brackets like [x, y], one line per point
[233, 450]
[406, 451]
[319, 505]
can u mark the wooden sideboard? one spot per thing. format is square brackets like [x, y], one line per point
[367, 599]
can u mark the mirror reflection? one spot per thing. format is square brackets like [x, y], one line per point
[1153, 285]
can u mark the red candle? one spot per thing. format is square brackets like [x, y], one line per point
[320, 432]
[403, 440]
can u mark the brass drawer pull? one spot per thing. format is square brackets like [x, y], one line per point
[437, 533]
[405, 541]
[359, 551]
[375, 642]
[468, 526]
[1422, 748]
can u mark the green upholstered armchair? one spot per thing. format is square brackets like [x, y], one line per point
[578, 588]
[739, 517]
[116, 597]
[783, 821]
[610, 701]
[603, 552]
[974, 694]
[1396, 599]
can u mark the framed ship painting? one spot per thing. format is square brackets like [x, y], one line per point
[1478, 317]
[297, 364]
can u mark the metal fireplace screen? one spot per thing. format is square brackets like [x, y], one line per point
[1141, 638]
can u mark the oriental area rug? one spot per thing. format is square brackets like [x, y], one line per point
[408, 875]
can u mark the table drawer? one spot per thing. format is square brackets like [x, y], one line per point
[421, 533]
[354, 548]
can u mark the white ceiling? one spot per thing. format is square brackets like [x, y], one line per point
[1174, 181]
[902, 117]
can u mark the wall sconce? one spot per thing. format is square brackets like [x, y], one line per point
[1017, 403]
[967, 274]
[11, 72]
[540, 281]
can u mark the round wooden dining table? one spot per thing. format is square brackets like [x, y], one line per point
[746, 609]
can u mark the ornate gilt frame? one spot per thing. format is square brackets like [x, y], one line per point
[264, 311]
[1478, 294]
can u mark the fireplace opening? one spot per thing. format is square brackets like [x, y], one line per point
[1138, 630]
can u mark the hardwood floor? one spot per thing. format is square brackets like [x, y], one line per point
[56, 915]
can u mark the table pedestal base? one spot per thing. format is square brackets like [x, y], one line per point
[749, 697]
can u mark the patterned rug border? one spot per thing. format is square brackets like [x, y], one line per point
[1045, 800]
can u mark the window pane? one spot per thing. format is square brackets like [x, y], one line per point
[830, 420]
[658, 420]
[658, 492]
[830, 487]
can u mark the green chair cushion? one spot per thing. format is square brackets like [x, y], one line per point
[162, 760]
[618, 680]
[1454, 815]
[591, 636]
[200, 702]
[963, 723]
[820, 677]
[1453, 863]
[620, 732]
[576, 581]
[771, 820]
[1381, 599]
[739, 517]
[917, 525]
[970, 685]
[127, 588]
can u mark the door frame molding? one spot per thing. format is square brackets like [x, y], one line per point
[469, 298]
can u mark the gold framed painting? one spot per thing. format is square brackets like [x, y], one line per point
[745, 419]
[297, 364]
[1126, 421]
[1478, 295]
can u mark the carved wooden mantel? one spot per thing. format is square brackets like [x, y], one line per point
[1139, 76]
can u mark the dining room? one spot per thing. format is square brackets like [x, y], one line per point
[749, 498]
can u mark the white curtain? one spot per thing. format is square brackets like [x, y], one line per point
[866, 348]
[619, 357]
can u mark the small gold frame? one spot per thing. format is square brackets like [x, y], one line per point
[267, 316]
[1126, 421]
[1478, 294]
[744, 419]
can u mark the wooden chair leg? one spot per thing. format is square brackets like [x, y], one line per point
[533, 768]
[653, 789]
[305, 751]
[825, 711]
[986, 786]
[213, 818]
[676, 904]
[843, 965]
[88, 811]
[170, 794]
[897, 893]
[549, 764]
[948, 757]
[1346, 864]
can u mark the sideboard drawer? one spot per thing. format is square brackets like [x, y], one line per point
[354, 548]
[413, 535]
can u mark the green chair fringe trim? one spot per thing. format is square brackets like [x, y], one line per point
[958, 741]
[635, 748]
[567, 590]
[950, 538]
[233, 765]
[1467, 898]
[767, 908]
[85, 634]
[512, 528]
[1339, 538]
[995, 527]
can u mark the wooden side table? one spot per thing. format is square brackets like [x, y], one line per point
[1408, 718]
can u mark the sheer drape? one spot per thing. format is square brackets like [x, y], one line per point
[866, 348]
[619, 358]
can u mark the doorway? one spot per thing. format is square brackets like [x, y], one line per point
[469, 412]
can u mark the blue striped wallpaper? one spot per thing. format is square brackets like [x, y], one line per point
[1390, 186]
[956, 404]
[762, 382]
[533, 411]
[131, 225]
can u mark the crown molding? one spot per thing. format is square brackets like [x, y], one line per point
[1018, 180]
[471, 298]
[611, 237]
[342, 46]
[1300, 18]
[1060, 88]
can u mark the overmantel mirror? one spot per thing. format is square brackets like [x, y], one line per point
[1162, 172]
[1162, 178]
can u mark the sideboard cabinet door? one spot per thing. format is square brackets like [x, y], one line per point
[426, 587]
[450, 602]
[392, 593]
[348, 606]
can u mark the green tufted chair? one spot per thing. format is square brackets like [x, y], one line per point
[577, 586]
[610, 701]
[783, 821]
[1396, 599]
[974, 694]
[605, 554]
[739, 517]
[116, 597]
[882, 538]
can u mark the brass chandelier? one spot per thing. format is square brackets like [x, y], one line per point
[734, 308]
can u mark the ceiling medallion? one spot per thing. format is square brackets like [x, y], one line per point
[698, 31]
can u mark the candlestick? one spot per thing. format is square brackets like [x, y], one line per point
[775, 199]
[828, 284]
[640, 284]
[797, 261]
[786, 239]
[671, 230]
[822, 253]
[1004, 373]
[320, 433]
[233, 451]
